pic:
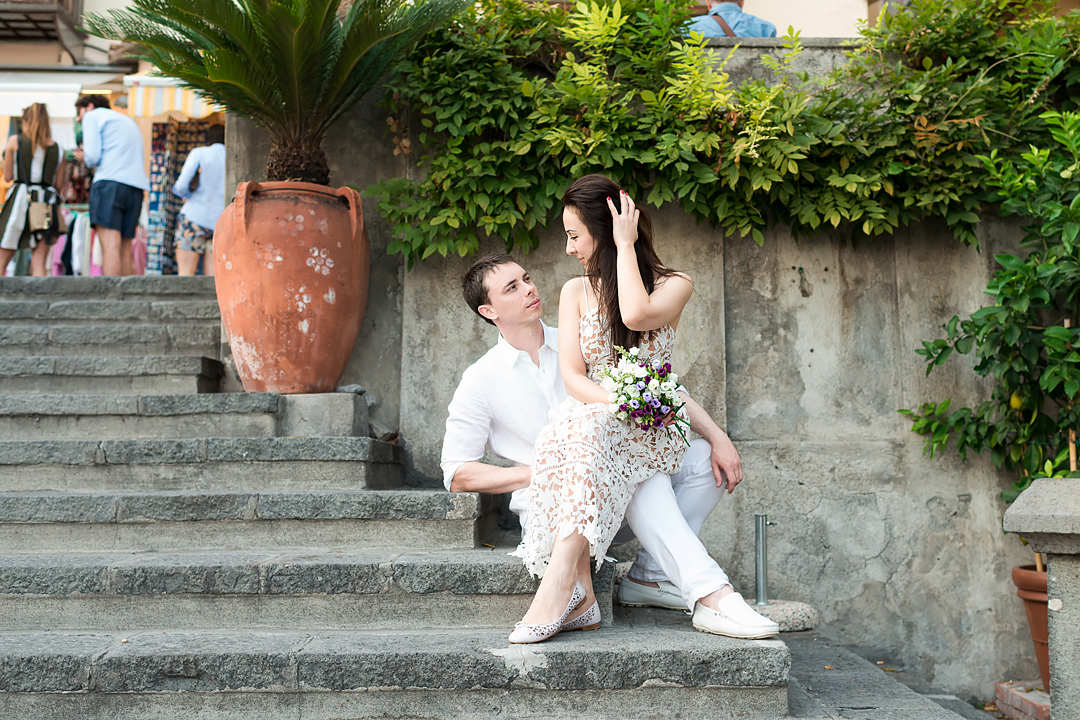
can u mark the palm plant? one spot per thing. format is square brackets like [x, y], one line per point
[292, 66]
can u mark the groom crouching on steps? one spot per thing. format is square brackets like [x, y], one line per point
[503, 401]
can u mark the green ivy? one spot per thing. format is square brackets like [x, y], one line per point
[516, 99]
[1020, 341]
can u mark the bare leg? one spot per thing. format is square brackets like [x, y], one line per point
[39, 260]
[127, 257]
[208, 261]
[5, 258]
[111, 246]
[564, 568]
[187, 261]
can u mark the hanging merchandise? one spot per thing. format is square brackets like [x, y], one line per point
[171, 141]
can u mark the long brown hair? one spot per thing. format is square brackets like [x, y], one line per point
[35, 126]
[588, 196]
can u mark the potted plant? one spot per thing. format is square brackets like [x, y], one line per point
[291, 255]
[1027, 343]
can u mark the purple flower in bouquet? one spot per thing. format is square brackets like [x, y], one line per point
[635, 404]
[640, 385]
[647, 397]
[664, 409]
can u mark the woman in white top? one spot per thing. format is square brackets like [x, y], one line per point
[30, 215]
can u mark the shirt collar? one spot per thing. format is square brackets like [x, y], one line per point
[723, 6]
[510, 355]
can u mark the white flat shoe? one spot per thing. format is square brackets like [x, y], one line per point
[524, 633]
[734, 619]
[634, 594]
[588, 620]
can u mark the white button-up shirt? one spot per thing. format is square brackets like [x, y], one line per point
[502, 402]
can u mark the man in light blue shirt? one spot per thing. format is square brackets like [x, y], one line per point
[735, 22]
[204, 203]
[113, 147]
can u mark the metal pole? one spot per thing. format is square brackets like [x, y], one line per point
[761, 550]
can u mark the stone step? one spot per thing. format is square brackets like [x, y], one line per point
[317, 589]
[111, 340]
[121, 417]
[99, 375]
[101, 312]
[144, 288]
[216, 464]
[191, 520]
[460, 673]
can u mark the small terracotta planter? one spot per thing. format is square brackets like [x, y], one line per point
[291, 262]
[1031, 587]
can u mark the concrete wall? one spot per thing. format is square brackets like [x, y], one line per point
[804, 351]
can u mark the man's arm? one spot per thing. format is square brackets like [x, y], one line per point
[182, 186]
[91, 140]
[726, 463]
[481, 477]
[468, 427]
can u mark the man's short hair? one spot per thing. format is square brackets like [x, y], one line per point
[473, 286]
[215, 134]
[98, 101]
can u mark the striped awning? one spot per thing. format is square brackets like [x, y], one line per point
[149, 95]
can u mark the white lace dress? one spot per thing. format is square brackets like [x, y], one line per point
[589, 463]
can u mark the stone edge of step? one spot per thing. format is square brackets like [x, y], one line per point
[197, 450]
[109, 311]
[285, 572]
[109, 366]
[144, 405]
[107, 288]
[615, 658]
[199, 506]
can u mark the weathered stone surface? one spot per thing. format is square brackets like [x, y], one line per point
[324, 414]
[207, 573]
[332, 574]
[101, 366]
[19, 335]
[150, 335]
[48, 662]
[196, 662]
[137, 287]
[828, 681]
[209, 403]
[53, 575]
[615, 658]
[1048, 515]
[23, 310]
[57, 507]
[68, 404]
[98, 310]
[390, 504]
[185, 310]
[790, 615]
[185, 506]
[49, 452]
[164, 452]
[1063, 593]
[271, 449]
[488, 572]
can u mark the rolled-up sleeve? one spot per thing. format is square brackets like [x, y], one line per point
[468, 426]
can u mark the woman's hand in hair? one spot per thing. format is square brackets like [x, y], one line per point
[624, 221]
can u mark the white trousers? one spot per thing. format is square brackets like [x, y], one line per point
[666, 514]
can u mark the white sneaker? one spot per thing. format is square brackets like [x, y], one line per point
[734, 619]
[634, 594]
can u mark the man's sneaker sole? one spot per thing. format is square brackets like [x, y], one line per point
[759, 636]
[652, 605]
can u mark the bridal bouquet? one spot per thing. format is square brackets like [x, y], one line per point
[643, 393]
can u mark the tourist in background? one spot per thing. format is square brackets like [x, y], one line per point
[113, 147]
[30, 217]
[727, 19]
[202, 185]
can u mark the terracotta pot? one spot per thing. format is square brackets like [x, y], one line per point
[1031, 587]
[291, 262]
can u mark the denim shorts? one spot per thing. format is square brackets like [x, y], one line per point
[116, 206]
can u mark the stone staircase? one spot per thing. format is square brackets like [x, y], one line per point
[168, 550]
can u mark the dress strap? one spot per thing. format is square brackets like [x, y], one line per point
[585, 286]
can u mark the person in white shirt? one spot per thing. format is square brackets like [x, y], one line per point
[203, 204]
[113, 146]
[502, 402]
